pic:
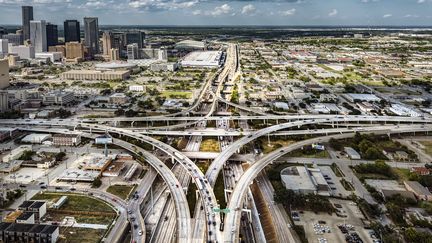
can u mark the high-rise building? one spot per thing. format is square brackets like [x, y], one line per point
[58, 48]
[74, 50]
[107, 39]
[4, 73]
[4, 47]
[38, 36]
[91, 34]
[137, 37]
[24, 52]
[27, 16]
[4, 100]
[72, 31]
[152, 53]
[52, 34]
[14, 39]
[132, 51]
[114, 54]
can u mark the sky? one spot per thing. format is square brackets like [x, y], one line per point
[219, 12]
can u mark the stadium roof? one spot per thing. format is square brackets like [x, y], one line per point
[190, 44]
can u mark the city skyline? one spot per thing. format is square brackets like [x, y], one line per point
[195, 12]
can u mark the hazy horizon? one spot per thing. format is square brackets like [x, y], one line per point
[228, 13]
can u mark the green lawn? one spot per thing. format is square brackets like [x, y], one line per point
[176, 94]
[210, 145]
[317, 154]
[219, 191]
[191, 197]
[337, 170]
[80, 235]
[274, 144]
[347, 185]
[122, 191]
[203, 166]
[428, 146]
[402, 174]
[75, 202]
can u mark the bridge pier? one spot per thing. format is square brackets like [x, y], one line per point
[248, 212]
[226, 194]
[132, 123]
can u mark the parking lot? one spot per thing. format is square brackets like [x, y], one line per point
[25, 175]
[334, 182]
[322, 227]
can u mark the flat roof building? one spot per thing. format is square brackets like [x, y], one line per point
[361, 97]
[421, 192]
[304, 180]
[66, 139]
[203, 59]
[389, 188]
[95, 75]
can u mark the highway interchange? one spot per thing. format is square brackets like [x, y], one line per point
[338, 126]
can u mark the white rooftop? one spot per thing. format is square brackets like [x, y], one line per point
[202, 59]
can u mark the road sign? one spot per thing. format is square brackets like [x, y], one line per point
[216, 210]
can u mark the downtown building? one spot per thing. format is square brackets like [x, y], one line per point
[38, 35]
[72, 31]
[91, 35]
[27, 16]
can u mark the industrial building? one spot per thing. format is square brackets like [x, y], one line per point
[401, 110]
[421, 192]
[16, 153]
[304, 180]
[389, 188]
[36, 138]
[361, 97]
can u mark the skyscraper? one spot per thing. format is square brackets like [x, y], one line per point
[27, 16]
[107, 39]
[137, 37]
[4, 73]
[72, 31]
[52, 34]
[38, 35]
[4, 48]
[132, 51]
[91, 34]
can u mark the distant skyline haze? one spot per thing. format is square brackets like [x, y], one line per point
[216, 12]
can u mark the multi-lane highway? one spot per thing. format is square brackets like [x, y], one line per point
[218, 163]
[232, 220]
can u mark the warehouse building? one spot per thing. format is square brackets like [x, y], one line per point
[304, 180]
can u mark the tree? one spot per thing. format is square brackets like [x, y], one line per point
[119, 112]
[97, 183]
[27, 155]
[60, 156]
[372, 153]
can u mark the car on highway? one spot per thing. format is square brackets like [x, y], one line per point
[140, 232]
